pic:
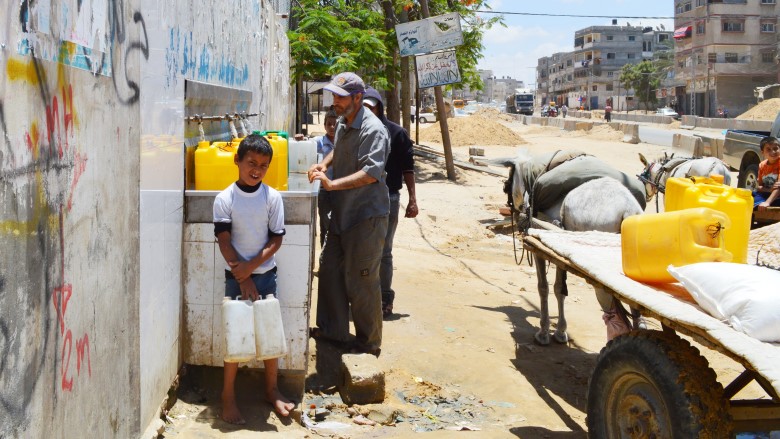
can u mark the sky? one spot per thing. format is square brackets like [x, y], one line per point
[514, 50]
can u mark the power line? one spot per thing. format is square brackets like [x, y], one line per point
[574, 15]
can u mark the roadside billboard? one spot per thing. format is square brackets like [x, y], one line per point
[430, 34]
[437, 69]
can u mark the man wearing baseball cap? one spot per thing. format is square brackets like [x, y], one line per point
[349, 267]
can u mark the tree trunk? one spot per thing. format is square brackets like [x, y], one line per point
[405, 85]
[391, 107]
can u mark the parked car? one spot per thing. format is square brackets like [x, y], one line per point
[666, 111]
[741, 152]
[427, 117]
[460, 112]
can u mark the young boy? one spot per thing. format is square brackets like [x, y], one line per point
[768, 188]
[249, 226]
[324, 147]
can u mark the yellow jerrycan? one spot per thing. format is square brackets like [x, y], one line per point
[214, 166]
[651, 242]
[737, 204]
[278, 172]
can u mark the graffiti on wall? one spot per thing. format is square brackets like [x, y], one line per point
[45, 343]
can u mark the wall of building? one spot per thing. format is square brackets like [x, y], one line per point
[69, 220]
[92, 153]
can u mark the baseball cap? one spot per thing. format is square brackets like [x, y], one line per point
[345, 84]
[371, 101]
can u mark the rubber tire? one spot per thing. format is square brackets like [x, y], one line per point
[650, 384]
[749, 177]
[423, 120]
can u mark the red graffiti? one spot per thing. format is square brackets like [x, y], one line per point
[67, 111]
[53, 126]
[60, 298]
[79, 166]
[64, 294]
[82, 347]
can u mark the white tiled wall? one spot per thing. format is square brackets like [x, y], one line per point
[204, 288]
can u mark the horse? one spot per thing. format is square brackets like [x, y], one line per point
[656, 173]
[587, 194]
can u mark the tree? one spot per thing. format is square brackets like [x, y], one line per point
[332, 36]
[643, 79]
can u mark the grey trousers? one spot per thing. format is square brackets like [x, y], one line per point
[386, 268]
[349, 277]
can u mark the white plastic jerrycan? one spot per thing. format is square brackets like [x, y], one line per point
[239, 329]
[302, 154]
[269, 332]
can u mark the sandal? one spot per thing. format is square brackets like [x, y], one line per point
[358, 348]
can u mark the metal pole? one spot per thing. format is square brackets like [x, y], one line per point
[693, 86]
[445, 132]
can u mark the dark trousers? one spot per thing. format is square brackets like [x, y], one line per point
[349, 278]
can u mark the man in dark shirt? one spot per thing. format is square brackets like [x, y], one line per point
[400, 169]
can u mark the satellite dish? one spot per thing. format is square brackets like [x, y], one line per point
[662, 26]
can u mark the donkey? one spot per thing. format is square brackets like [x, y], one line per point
[588, 195]
[656, 173]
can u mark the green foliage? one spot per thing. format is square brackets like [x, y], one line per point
[643, 78]
[333, 36]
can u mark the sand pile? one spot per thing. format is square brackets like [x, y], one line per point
[598, 132]
[766, 110]
[472, 131]
[493, 113]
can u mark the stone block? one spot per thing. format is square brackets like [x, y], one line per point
[363, 381]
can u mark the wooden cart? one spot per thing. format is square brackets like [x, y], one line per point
[655, 383]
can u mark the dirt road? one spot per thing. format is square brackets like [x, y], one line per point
[459, 352]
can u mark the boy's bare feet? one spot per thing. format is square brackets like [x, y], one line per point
[230, 413]
[282, 405]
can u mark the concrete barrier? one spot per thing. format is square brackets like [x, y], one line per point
[584, 126]
[727, 124]
[631, 132]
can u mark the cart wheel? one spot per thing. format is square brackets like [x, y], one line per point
[650, 384]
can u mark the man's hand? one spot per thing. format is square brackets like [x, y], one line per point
[299, 137]
[241, 270]
[317, 167]
[248, 290]
[325, 182]
[411, 209]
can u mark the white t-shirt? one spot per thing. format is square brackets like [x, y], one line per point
[253, 218]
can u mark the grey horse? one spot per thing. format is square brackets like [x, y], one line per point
[588, 195]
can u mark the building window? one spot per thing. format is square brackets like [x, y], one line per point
[687, 6]
[609, 74]
[733, 26]
[699, 3]
[768, 27]
[768, 57]
[631, 55]
[712, 58]
[609, 87]
[631, 38]
[568, 63]
[731, 57]
[610, 56]
[610, 37]
[700, 28]
[595, 88]
[767, 2]
[662, 37]
[679, 8]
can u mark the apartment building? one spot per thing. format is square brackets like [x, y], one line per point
[724, 49]
[588, 76]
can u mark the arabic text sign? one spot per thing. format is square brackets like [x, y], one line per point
[437, 69]
[430, 34]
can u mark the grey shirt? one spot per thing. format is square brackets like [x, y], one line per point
[362, 146]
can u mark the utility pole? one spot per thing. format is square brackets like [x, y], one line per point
[693, 84]
[445, 132]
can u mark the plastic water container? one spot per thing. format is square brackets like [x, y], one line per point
[239, 329]
[737, 204]
[270, 341]
[277, 174]
[303, 154]
[651, 242]
[214, 167]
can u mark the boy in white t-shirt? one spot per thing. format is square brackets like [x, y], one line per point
[249, 226]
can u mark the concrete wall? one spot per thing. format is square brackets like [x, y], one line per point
[69, 219]
[92, 150]
[240, 49]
